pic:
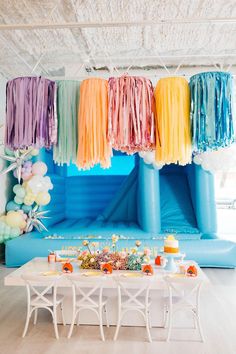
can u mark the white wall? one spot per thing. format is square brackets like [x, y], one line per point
[4, 180]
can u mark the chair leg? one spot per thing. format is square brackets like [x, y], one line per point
[72, 324]
[148, 326]
[149, 319]
[35, 316]
[166, 316]
[200, 327]
[62, 314]
[28, 315]
[117, 326]
[106, 316]
[101, 325]
[169, 325]
[194, 320]
[54, 317]
[77, 321]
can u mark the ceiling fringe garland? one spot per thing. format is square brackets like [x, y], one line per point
[65, 151]
[31, 118]
[93, 145]
[124, 113]
[131, 126]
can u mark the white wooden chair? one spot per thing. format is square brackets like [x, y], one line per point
[183, 295]
[133, 295]
[42, 294]
[87, 294]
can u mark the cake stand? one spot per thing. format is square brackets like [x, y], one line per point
[171, 265]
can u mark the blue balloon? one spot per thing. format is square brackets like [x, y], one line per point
[26, 208]
[12, 206]
[9, 152]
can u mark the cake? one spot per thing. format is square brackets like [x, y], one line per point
[171, 245]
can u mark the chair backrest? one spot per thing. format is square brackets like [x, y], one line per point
[131, 288]
[87, 286]
[40, 286]
[186, 290]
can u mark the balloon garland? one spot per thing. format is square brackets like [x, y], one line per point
[23, 211]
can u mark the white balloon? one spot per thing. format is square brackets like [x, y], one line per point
[218, 160]
[142, 154]
[40, 184]
[157, 166]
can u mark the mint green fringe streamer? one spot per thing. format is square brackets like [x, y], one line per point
[212, 115]
[65, 151]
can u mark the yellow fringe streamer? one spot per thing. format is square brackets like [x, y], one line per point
[93, 145]
[173, 138]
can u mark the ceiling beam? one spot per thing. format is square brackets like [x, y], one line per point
[71, 25]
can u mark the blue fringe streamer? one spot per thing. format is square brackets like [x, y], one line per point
[211, 112]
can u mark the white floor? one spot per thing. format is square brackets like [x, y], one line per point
[218, 319]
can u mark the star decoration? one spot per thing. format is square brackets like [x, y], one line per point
[16, 162]
[34, 219]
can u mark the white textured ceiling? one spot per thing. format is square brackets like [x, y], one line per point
[58, 52]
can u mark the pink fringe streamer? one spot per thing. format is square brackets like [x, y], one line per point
[131, 119]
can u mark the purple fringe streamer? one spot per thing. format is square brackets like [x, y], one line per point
[31, 118]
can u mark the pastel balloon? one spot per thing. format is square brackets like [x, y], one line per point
[11, 205]
[36, 183]
[34, 152]
[26, 208]
[16, 188]
[14, 219]
[19, 191]
[43, 198]
[29, 199]
[26, 176]
[9, 152]
[27, 164]
[47, 183]
[39, 168]
[22, 224]
[18, 200]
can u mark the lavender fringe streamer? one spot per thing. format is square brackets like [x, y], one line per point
[31, 118]
[211, 111]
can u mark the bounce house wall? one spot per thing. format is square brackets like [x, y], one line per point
[149, 216]
[88, 196]
[174, 199]
[203, 196]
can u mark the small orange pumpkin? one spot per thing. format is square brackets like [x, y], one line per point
[192, 271]
[67, 268]
[147, 269]
[158, 260]
[106, 268]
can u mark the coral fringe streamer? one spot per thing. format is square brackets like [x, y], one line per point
[131, 114]
[31, 118]
[173, 121]
[67, 109]
[93, 145]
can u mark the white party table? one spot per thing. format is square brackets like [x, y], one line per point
[158, 290]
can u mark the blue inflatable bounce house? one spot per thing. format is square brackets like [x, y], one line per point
[131, 199]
